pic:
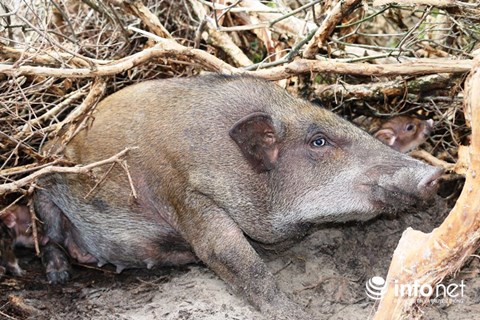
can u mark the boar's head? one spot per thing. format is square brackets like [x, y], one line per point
[321, 168]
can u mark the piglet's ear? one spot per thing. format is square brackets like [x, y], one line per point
[257, 139]
[9, 219]
[387, 136]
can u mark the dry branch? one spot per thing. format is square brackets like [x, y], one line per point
[220, 39]
[429, 258]
[19, 184]
[150, 20]
[33, 218]
[219, 6]
[427, 157]
[30, 167]
[16, 144]
[55, 110]
[170, 49]
[54, 58]
[289, 25]
[463, 162]
[337, 12]
[19, 303]
[79, 114]
[166, 49]
[382, 90]
[414, 67]
[436, 3]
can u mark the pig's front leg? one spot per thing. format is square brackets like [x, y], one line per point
[219, 242]
[55, 228]
[56, 264]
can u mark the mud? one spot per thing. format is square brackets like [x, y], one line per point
[326, 273]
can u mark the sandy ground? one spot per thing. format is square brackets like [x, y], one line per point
[326, 273]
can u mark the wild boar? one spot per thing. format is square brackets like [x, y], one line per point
[218, 163]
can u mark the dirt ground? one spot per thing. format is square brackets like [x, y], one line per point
[326, 273]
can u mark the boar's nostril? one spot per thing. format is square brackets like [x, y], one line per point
[429, 183]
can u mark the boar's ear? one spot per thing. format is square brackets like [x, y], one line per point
[387, 136]
[256, 137]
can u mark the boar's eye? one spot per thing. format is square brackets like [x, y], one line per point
[410, 127]
[319, 142]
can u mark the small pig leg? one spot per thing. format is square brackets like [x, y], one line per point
[221, 244]
[54, 259]
[56, 264]
[11, 226]
[14, 268]
[8, 260]
[51, 216]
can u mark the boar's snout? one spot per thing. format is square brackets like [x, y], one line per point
[405, 186]
[429, 184]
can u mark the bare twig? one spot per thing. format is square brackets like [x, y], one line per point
[288, 58]
[19, 184]
[414, 67]
[100, 181]
[424, 155]
[130, 180]
[33, 218]
[167, 48]
[26, 168]
[54, 111]
[150, 20]
[288, 24]
[7, 316]
[293, 12]
[80, 114]
[337, 12]
[13, 141]
[220, 39]
[381, 90]
[414, 28]
[19, 304]
[218, 6]
[436, 3]
[47, 57]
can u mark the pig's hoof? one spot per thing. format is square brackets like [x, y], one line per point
[56, 264]
[58, 277]
[15, 269]
[58, 271]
